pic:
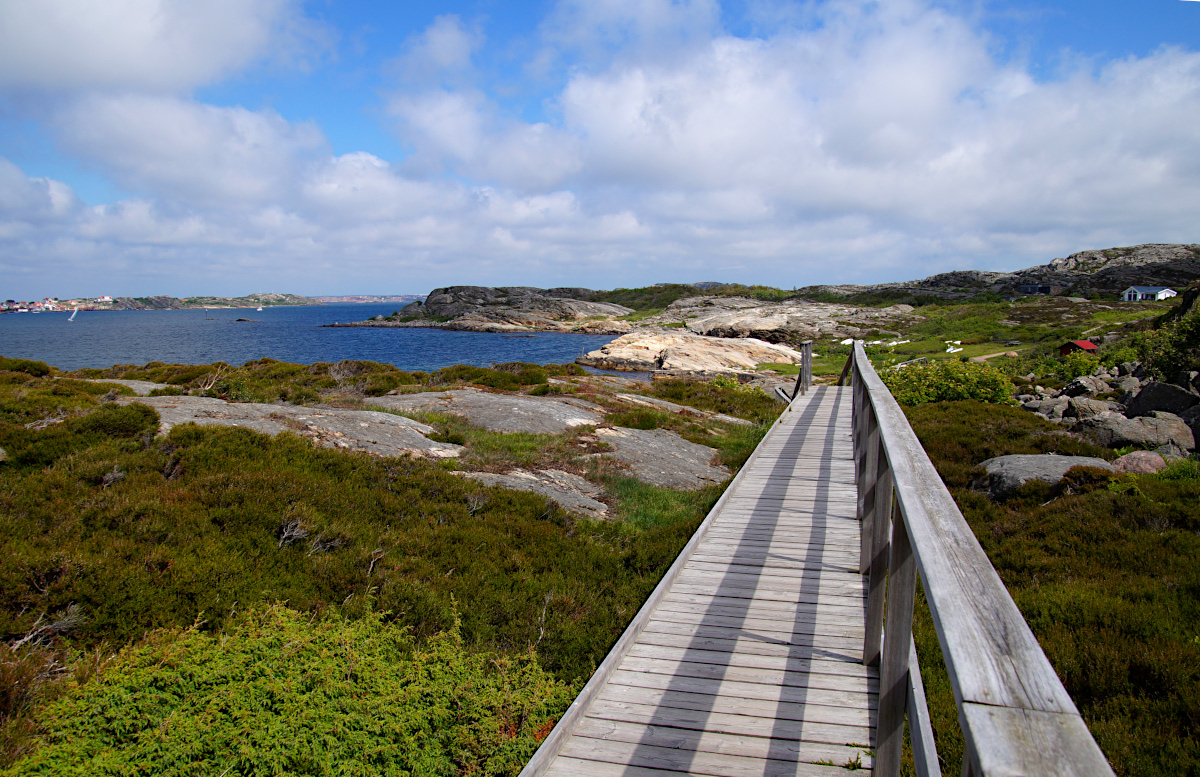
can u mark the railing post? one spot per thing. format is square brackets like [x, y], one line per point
[804, 377]
[867, 456]
[881, 527]
[897, 647]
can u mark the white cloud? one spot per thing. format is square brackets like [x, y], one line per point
[869, 142]
[144, 44]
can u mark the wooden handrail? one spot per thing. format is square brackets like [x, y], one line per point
[1016, 717]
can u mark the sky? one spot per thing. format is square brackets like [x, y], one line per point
[358, 147]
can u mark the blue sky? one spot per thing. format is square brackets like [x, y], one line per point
[159, 147]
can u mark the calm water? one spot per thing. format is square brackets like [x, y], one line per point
[290, 334]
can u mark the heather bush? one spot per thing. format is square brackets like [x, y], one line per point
[942, 381]
[279, 693]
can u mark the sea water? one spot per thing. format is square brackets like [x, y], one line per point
[289, 334]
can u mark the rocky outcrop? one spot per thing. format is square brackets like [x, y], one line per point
[1086, 385]
[680, 353]
[1166, 397]
[382, 434]
[781, 322]
[663, 458]
[1005, 474]
[671, 407]
[571, 492]
[1105, 271]
[501, 412]
[509, 309]
[1155, 429]
[140, 387]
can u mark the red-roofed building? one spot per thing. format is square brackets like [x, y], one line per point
[1087, 346]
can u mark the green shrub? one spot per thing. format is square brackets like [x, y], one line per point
[942, 381]
[1173, 348]
[279, 694]
[1078, 363]
[27, 366]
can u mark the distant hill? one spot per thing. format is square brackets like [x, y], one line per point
[1106, 271]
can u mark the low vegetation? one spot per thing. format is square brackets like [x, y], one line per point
[1106, 571]
[127, 556]
[948, 380]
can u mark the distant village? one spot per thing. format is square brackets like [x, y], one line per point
[51, 304]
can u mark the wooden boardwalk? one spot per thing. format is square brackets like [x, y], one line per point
[750, 661]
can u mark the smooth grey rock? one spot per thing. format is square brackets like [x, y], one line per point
[1140, 463]
[671, 407]
[663, 458]
[1191, 417]
[1115, 430]
[1171, 452]
[1166, 397]
[140, 387]
[1085, 385]
[383, 434]
[572, 492]
[501, 412]
[1082, 407]
[1005, 474]
[1050, 408]
[1127, 383]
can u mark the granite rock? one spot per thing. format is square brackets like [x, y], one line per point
[662, 458]
[685, 352]
[1166, 397]
[572, 492]
[501, 412]
[1005, 474]
[1158, 428]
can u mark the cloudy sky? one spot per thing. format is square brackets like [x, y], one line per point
[333, 147]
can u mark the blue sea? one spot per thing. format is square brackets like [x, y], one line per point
[290, 334]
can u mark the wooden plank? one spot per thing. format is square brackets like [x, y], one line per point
[765, 592]
[832, 706]
[847, 646]
[813, 614]
[727, 722]
[658, 733]
[1014, 741]
[667, 758]
[781, 676]
[858, 727]
[753, 602]
[838, 675]
[824, 626]
[561, 732]
[676, 635]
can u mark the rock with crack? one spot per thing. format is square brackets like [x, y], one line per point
[1005, 474]
[140, 387]
[671, 407]
[571, 492]
[680, 352]
[663, 458]
[1156, 428]
[382, 434]
[501, 412]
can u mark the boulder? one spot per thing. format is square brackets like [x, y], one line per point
[683, 353]
[1085, 385]
[1191, 417]
[1051, 409]
[663, 458]
[140, 387]
[1127, 383]
[501, 412]
[3, 455]
[1005, 474]
[571, 492]
[1128, 368]
[1190, 380]
[1140, 463]
[1115, 430]
[382, 434]
[1082, 407]
[1165, 397]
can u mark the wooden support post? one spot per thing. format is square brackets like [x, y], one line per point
[920, 729]
[897, 642]
[867, 472]
[881, 530]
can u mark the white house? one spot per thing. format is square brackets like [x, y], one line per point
[1147, 293]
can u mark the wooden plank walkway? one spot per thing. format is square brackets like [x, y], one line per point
[751, 663]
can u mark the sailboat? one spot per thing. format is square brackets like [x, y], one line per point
[73, 312]
[260, 308]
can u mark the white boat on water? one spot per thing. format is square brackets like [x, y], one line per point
[260, 309]
[73, 312]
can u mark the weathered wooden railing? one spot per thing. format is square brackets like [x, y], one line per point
[1016, 717]
[803, 377]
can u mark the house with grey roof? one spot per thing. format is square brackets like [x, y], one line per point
[1146, 293]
